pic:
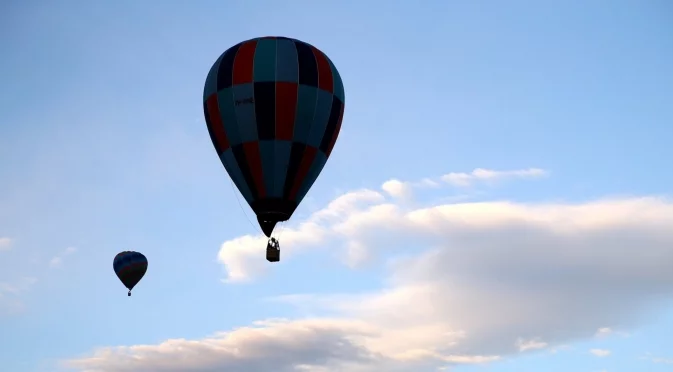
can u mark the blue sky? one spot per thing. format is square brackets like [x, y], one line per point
[499, 192]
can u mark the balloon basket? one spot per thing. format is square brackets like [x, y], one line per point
[272, 254]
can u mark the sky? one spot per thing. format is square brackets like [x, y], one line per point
[499, 198]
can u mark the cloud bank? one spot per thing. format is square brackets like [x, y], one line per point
[466, 283]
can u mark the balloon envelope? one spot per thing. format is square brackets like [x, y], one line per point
[273, 107]
[130, 267]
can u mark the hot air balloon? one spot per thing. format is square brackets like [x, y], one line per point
[273, 107]
[130, 267]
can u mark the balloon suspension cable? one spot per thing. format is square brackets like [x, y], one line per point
[280, 230]
[255, 227]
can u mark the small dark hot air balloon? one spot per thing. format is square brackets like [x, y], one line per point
[273, 106]
[130, 267]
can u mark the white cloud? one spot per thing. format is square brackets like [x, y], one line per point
[532, 344]
[347, 215]
[5, 243]
[279, 345]
[601, 353]
[57, 260]
[398, 189]
[487, 175]
[657, 359]
[427, 183]
[486, 280]
[241, 256]
[560, 348]
[403, 190]
[10, 292]
[17, 286]
[605, 332]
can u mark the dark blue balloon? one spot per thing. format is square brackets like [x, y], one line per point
[130, 267]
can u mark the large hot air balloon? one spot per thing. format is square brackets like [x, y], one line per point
[273, 106]
[130, 267]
